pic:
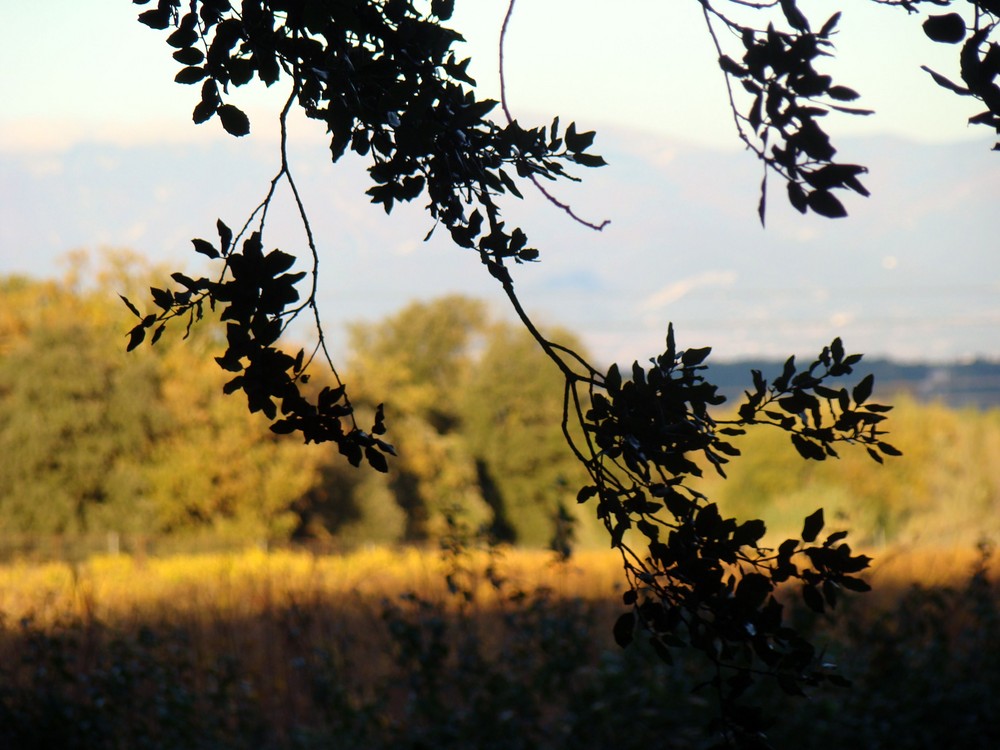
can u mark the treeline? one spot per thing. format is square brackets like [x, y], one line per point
[97, 441]
[944, 490]
[973, 383]
[102, 444]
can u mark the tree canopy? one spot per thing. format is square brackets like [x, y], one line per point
[384, 79]
[147, 446]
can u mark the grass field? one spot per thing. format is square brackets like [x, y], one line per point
[373, 650]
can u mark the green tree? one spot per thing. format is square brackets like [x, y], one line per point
[421, 358]
[512, 415]
[383, 80]
[946, 491]
[77, 420]
[479, 421]
[216, 470]
[95, 440]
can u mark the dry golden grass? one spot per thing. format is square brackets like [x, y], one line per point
[123, 589]
[928, 566]
[259, 630]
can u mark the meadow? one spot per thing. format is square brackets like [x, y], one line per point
[410, 648]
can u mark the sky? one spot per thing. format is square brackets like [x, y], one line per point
[75, 70]
[75, 74]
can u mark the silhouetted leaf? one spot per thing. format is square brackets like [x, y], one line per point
[376, 460]
[577, 142]
[233, 120]
[808, 449]
[189, 56]
[156, 19]
[889, 450]
[834, 538]
[190, 75]
[854, 584]
[135, 337]
[949, 28]
[186, 34]
[812, 598]
[752, 590]
[794, 16]
[762, 203]
[812, 526]
[203, 111]
[162, 297]
[730, 66]
[624, 629]
[589, 160]
[283, 427]
[824, 203]
[205, 248]
[749, 532]
[225, 236]
[613, 380]
[443, 8]
[130, 306]
[878, 408]
[842, 93]
[830, 25]
[185, 280]
[692, 357]
[863, 389]
[946, 83]
[797, 197]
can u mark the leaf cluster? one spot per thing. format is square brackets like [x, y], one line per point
[698, 579]
[386, 83]
[817, 415]
[788, 97]
[979, 57]
[255, 293]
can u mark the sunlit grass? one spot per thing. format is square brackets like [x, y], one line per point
[122, 590]
[223, 649]
[113, 588]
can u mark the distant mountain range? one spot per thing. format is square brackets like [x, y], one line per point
[958, 384]
[913, 274]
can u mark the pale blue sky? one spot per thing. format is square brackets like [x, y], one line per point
[912, 273]
[74, 69]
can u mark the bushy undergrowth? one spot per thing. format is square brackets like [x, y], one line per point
[926, 673]
[526, 668]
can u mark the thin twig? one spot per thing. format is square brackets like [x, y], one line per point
[510, 119]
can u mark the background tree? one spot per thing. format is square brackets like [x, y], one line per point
[63, 382]
[213, 469]
[512, 408]
[99, 441]
[421, 358]
[478, 413]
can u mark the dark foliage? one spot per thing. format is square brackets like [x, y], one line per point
[532, 674]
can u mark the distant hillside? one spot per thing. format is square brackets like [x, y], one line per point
[913, 274]
[957, 384]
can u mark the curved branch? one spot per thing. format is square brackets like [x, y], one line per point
[510, 119]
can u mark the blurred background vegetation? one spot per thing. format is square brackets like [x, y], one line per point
[142, 452]
[392, 644]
